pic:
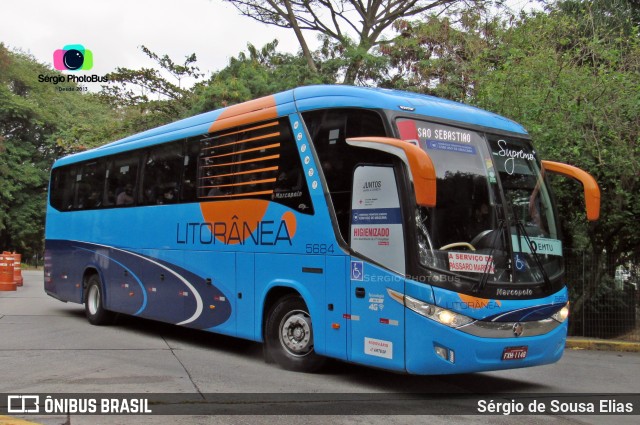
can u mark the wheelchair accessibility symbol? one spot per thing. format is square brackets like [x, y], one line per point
[521, 265]
[357, 270]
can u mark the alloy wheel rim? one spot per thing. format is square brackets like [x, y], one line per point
[295, 333]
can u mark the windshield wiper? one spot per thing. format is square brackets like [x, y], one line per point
[480, 284]
[520, 228]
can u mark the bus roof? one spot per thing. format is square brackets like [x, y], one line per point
[305, 99]
[316, 97]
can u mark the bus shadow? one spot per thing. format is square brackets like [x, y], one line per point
[189, 336]
[175, 335]
[468, 383]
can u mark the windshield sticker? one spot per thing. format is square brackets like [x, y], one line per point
[489, 165]
[539, 245]
[520, 263]
[408, 131]
[451, 147]
[429, 135]
[471, 263]
[445, 134]
[511, 155]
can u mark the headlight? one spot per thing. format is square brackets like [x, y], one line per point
[439, 314]
[562, 314]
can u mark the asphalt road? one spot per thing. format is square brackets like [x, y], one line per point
[47, 346]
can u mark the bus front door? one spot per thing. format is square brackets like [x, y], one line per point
[376, 322]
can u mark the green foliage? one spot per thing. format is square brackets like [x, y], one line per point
[443, 57]
[145, 98]
[349, 25]
[577, 93]
[572, 78]
[259, 72]
[368, 65]
[38, 123]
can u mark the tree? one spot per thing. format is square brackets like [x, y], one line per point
[39, 121]
[256, 73]
[571, 77]
[441, 57]
[146, 98]
[350, 25]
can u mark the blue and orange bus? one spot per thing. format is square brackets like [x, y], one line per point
[378, 227]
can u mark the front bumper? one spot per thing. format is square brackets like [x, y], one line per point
[473, 353]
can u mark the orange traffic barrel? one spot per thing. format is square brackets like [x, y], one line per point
[6, 273]
[17, 269]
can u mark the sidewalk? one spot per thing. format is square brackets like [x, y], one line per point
[578, 343]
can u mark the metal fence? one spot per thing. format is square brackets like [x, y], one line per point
[605, 301]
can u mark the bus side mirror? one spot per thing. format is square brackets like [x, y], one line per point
[591, 189]
[423, 173]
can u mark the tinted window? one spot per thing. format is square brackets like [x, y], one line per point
[329, 130]
[530, 209]
[90, 185]
[121, 180]
[63, 182]
[259, 161]
[190, 172]
[162, 174]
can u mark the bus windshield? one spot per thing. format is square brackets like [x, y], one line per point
[534, 234]
[493, 221]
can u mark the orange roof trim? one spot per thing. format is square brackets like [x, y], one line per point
[261, 109]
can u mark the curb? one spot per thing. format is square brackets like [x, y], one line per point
[602, 345]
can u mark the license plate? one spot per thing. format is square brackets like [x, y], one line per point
[515, 353]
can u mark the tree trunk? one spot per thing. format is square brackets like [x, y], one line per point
[352, 72]
[303, 43]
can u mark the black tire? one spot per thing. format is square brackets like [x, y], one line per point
[289, 336]
[93, 303]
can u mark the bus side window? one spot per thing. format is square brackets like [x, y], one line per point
[63, 184]
[190, 171]
[161, 175]
[329, 129]
[121, 180]
[90, 184]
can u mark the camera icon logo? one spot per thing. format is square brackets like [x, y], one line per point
[73, 57]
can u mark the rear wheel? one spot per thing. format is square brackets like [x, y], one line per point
[289, 336]
[94, 304]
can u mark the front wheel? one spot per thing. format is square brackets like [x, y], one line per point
[289, 336]
[93, 303]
